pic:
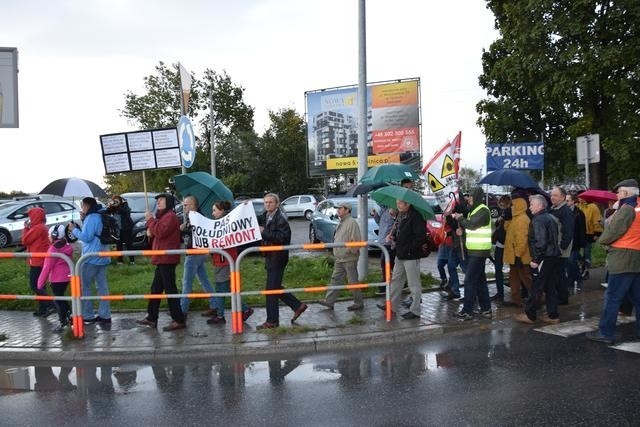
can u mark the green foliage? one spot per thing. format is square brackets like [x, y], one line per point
[561, 70]
[249, 164]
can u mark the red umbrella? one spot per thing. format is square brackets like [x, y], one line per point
[598, 196]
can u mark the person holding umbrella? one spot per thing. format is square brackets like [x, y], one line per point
[477, 229]
[409, 234]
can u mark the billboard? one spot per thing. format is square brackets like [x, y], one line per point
[521, 155]
[141, 150]
[393, 124]
[8, 87]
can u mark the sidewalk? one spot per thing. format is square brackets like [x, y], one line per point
[30, 340]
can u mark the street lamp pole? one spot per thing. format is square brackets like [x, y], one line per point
[363, 209]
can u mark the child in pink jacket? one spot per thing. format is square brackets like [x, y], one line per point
[56, 271]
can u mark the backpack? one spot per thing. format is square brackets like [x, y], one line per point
[110, 231]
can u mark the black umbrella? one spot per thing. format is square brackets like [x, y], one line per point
[74, 187]
[356, 190]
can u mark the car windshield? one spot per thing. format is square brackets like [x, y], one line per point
[433, 202]
[138, 204]
[7, 208]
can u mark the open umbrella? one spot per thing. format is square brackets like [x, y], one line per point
[598, 196]
[74, 187]
[203, 186]
[387, 196]
[390, 172]
[512, 177]
[356, 190]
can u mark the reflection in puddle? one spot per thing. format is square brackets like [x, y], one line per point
[226, 375]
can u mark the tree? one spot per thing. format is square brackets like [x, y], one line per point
[159, 107]
[563, 69]
[468, 178]
[283, 154]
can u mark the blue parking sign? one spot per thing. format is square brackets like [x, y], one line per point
[522, 155]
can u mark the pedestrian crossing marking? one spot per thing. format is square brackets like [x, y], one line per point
[633, 347]
[576, 327]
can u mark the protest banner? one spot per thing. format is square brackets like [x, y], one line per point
[237, 228]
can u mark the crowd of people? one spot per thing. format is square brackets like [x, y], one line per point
[545, 240]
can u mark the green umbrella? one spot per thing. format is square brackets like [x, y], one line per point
[388, 195]
[390, 172]
[203, 186]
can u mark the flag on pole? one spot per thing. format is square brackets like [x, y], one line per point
[185, 86]
[442, 173]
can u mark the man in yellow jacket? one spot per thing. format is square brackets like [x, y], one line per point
[516, 250]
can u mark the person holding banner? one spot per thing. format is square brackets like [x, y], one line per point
[223, 272]
[164, 231]
[275, 231]
[194, 265]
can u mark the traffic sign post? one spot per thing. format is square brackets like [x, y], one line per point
[588, 151]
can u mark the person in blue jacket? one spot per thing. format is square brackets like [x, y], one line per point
[94, 268]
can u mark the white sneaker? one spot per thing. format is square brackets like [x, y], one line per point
[604, 285]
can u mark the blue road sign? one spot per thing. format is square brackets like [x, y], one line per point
[187, 141]
[521, 155]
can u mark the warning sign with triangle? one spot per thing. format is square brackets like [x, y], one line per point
[448, 167]
[434, 184]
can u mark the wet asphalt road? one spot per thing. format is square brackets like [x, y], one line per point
[509, 376]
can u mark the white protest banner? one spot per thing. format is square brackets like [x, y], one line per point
[237, 228]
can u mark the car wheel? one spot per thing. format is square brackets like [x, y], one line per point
[312, 235]
[308, 214]
[5, 238]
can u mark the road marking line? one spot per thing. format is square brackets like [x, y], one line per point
[633, 347]
[575, 327]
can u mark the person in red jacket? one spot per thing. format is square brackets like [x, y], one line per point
[164, 232]
[35, 237]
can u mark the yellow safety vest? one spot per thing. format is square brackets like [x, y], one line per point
[480, 238]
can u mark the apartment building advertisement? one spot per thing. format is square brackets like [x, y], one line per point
[393, 125]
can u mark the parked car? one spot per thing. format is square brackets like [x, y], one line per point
[301, 205]
[138, 205]
[258, 204]
[13, 214]
[324, 219]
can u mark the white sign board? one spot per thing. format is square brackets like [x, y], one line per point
[8, 87]
[141, 150]
[588, 147]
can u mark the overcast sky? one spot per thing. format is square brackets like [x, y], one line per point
[77, 58]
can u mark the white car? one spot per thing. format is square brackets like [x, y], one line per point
[13, 215]
[299, 205]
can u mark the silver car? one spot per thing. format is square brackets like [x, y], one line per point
[299, 205]
[14, 214]
[325, 219]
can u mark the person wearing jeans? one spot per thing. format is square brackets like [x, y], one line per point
[194, 265]
[622, 237]
[94, 268]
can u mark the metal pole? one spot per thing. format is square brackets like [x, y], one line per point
[213, 150]
[363, 208]
[586, 160]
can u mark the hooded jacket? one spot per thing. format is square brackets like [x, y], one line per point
[56, 270]
[516, 243]
[35, 235]
[90, 235]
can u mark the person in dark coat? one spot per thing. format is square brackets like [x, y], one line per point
[579, 241]
[561, 211]
[275, 230]
[120, 210]
[545, 257]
